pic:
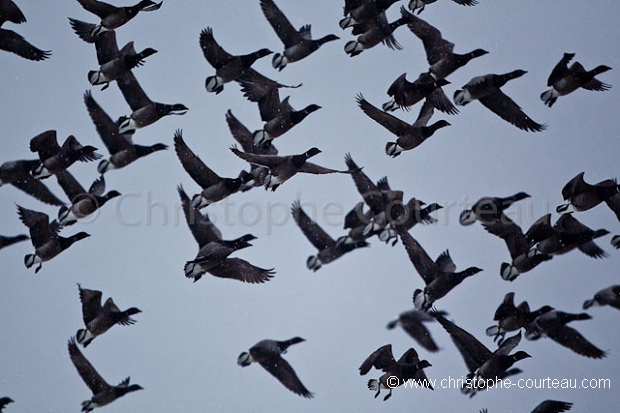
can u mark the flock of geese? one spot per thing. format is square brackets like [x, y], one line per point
[383, 212]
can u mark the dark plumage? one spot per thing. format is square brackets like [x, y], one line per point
[268, 353]
[581, 196]
[485, 366]
[13, 42]
[489, 209]
[357, 12]
[405, 94]
[213, 251]
[83, 203]
[552, 324]
[97, 318]
[113, 63]
[564, 80]
[44, 236]
[412, 322]
[214, 187]
[487, 90]
[18, 174]
[421, 4]
[5, 241]
[244, 137]
[512, 318]
[439, 52]
[4, 401]
[372, 32]
[279, 116]
[103, 393]
[145, 111]
[607, 296]
[567, 234]
[55, 158]
[519, 244]
[328, 249]
[386, 204]
[409, 136]
[298, 44]
[552, 406]
[122, 150]
[113, 17]
[408, 367]
[440, 276]
[229, 67]
[282, 168]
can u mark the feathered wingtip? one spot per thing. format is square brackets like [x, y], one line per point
[83, 29]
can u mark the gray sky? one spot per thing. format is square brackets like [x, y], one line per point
[184, 346]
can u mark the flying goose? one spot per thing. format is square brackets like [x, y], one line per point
[412, 322]
[113, 63]
[268, 353]
[282, 168]
[357, 12]
[512, 318]
[213, 251]
[328, 248]
[145, 111]
[567, 234]
[485, 366]
[405, 93]
[83, 203]
[439, 52]
[4, 401]
[580, 196]
[552, 324]
[279, 116]
[55, 158]
[44, 237]
[487, 90]
[548, 406]
[298, 44]
[552, 406]
[372, 32]
[421, 4]
[18, 174]
[99, 319]
[103, 393]
[214, 187]
[113, 17]
[229, 67]
[607, 296]
[122, 150]
[408, 367]
[5, 241]
[244, 137]
[564, 80]
[489, 209]
[13, 42]
[386, 204]
[519, 244]
[440, 276]
[414, 213]
[409, 136]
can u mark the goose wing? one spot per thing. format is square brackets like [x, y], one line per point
[315, 234]
[282, 370]
[87, 372]
[281, 24]
[192, 164]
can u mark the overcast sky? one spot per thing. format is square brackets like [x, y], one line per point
[184, 346]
